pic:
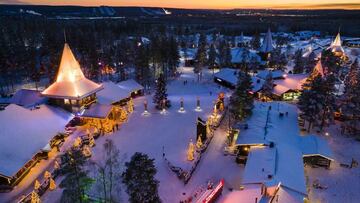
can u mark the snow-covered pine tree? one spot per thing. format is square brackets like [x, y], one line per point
[139, 178]
[242, 100]
[268, 86]
[351, 106]
[200, 57]
[160, 95]
[317, 101]
[351, 78]
[299, 62]
[309, 101]
[277, 60]
[212, 56]
[331, 63]
[255, 41]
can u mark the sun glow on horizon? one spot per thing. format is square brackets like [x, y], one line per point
[202, 4]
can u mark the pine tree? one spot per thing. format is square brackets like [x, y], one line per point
[277, 60]
[351, 106]
[160, 95]
[317, 101]
[255, 41]
[351, 78]
[331, 63]
[268, 86]
[142, 64]
[242, 100]
[224, 52]
[139, 178]
[212, 56]
[299, 62]
[76, 182]
[200, 57]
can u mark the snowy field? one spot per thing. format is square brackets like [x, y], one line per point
[343, 184]
[173, 131]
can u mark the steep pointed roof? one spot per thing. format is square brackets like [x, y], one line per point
[336, 44]
[70, 81]
[267, 45]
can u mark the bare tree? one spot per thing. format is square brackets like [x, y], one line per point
[109, 169]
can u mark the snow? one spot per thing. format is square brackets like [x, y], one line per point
[290, 82]
[111, 93]
[267, 44]
[27, 98]
[284, 132]
[276, 74]
[130, 85]
[237, 55]
[255, 132]
[70, 81]
[97, 111]
[261, 164]
[248, 195]
[314, 145]
[227, 74]
[24, 132]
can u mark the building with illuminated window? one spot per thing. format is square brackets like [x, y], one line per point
[71, 90]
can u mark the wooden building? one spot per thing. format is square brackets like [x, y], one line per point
[71, 90]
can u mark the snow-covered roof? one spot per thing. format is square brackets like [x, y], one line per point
[130, 85]
[257, 83]
[97, 111]
[27, 98]
[227, 74]
[336, 44]
[260, 165]
[70, 81]
[24, 132]
[290, 167]
[247, 195]
[291, 82]
[276, 74]
[267, 45]
[237, 55]
[312, 145]
[111, 93]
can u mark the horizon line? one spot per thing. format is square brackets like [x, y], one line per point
[339, 6]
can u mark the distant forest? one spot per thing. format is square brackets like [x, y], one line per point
[32, 37]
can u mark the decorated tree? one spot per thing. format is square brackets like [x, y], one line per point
[191, 150]
[139, 179]
[160, 95]
[331, 62]
[199, 143]
[242, 100]
[351, 106]
[35, 197]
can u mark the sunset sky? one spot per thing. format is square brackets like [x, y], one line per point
[213, 4]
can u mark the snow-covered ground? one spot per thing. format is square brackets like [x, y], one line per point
[343, 184]
[173, 131]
